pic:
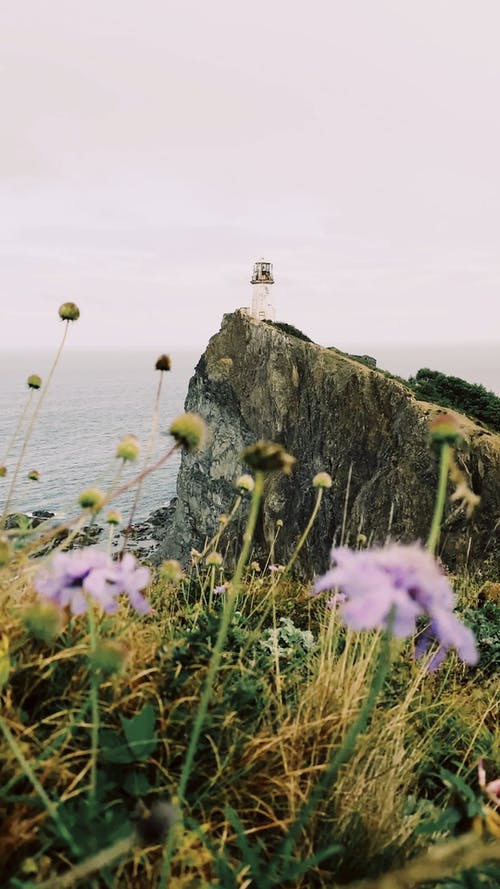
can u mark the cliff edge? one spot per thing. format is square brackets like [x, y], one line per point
[334, 414]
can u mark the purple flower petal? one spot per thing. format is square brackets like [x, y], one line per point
[402, 580]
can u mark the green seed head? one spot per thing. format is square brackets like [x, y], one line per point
[114, 517]
[34, 381]
[109, 656]
[267, 456]
[245, 484]
[92, 499]
[189, 431]
[322, 480]
[163, 363]
[171, 571]
[444, 429]
[69, 312]
[128, 448]
[43, 620]
[34, 475]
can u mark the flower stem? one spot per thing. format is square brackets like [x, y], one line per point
[94, 704]
[28, 771]
[339, 758]
[214, 665]
[307, 529]
[31, 426]
[18, 426]
[214, 541]
[147, 455]
[437, 518]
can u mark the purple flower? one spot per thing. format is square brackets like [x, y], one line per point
[131, 580]
[218, 590]
[404, 581]
[336, 599]
[77, 576]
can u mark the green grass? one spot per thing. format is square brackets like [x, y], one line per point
[291, 681]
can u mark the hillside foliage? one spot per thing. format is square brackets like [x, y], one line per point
[468, 398]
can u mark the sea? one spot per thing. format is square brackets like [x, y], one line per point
[96, 398]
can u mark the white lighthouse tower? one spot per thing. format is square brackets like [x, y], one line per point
[262, 278]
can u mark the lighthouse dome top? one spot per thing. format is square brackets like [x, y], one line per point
[262, 272]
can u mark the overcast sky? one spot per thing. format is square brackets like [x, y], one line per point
[152, 150]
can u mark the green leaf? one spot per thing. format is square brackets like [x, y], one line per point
[140, 732]
[136, 783]
[444, 823]
[114, 748]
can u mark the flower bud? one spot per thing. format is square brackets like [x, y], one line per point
[3, 471]
[279, 523]
[91, 498]
[267, 456]
[444, 429]
[244, 483]
[43, 621]
[255, 567]
[69, 312]
[114, 517]
[34, 381]
[214, 559]
[34, 475]
[109, 656]
[222, 520]
[322, 480]
[171, 571]
[163, 363]
[128, 448]
[189, 431]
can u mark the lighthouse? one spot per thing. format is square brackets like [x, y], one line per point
[262, 278]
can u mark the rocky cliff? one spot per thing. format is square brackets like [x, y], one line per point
[335, 414]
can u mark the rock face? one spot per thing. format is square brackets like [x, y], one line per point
[335, 414]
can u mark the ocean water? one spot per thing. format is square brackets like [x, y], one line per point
[97, 397]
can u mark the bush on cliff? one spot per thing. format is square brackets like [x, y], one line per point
[291, 330]
[468, 398]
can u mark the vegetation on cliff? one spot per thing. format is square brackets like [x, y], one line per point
[469, 398]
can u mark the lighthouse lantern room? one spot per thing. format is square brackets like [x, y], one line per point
[262, 278]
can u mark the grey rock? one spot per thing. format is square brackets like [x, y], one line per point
[334, 414]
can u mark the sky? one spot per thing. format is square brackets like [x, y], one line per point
[152, 151]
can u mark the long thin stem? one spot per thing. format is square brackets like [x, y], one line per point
[18, 426]
[440, 498]
[28, 771]
[31, 426]
[214, 541]
[339, 758]
[147, 455]
[307, 529]
[94, 704]
[214, 665]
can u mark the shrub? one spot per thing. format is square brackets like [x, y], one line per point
[468, 398]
